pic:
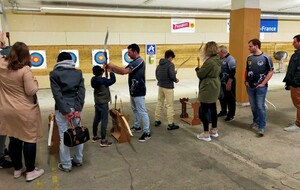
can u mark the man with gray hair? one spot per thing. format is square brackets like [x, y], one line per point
[228, 83]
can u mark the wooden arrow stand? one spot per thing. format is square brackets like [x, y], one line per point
[185, 116]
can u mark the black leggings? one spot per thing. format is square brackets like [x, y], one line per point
[208, 113]
[15, 152]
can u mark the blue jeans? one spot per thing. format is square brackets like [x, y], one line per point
[101, 115]
[257, 99]
[139, 109]
[64, 151]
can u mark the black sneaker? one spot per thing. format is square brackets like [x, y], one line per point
[105, 143]
[172, 126]
[222, 114]
[60, 166]
[135, 130]
[6, 152]
[229, 118]
[144, 137]
[77, 164]
[157, 123]
[95, 139]
[5, 163]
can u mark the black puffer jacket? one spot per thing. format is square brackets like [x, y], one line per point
[165, 74]
[292, 77]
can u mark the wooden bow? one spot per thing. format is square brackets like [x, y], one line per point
[199, 54]
[183, 63]
[105, 52]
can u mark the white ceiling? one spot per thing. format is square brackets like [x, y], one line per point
[278, 7]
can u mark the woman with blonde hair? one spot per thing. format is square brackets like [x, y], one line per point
[20, 117]
[209, 90]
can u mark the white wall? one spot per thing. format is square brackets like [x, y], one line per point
[90, 30]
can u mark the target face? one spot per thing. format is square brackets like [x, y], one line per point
[74, 54]
[38, 59]
[99, 57]
[125, 58]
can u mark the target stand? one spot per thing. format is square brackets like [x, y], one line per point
[185, 116]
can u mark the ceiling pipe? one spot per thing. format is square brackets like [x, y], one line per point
[133, 12]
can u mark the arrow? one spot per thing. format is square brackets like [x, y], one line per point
[5, 22]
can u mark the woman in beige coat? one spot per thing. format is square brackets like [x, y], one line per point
[20, 116]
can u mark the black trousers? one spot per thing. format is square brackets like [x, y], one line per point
[15, 151]
[229, 101]
[208, 113]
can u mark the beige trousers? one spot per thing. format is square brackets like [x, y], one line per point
[165, 94]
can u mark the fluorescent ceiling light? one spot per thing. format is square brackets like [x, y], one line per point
[126, 11]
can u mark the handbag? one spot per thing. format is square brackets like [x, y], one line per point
[76, 135]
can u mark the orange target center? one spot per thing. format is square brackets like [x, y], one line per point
[35, 59]
[101, 57]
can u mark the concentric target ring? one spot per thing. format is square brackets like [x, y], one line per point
[100, 58]
[37, 59]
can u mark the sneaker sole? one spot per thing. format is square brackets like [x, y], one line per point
[104, 145]
[64, 169]
[203, 139]
[144, 140]
[136, 131]
[172, 128]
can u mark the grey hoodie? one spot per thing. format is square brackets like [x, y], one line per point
[165, 74]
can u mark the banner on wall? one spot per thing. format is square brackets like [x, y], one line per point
[125, 57]
[179, 25]
[99, 57]
[269, 25]
[266, 25]
[74, 54]
[38, 59]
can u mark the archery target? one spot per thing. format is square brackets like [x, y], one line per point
[99, 58]
[38, 59]
[74, 54]
[125, 58]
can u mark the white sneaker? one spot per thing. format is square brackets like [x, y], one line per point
[214, 134]
[18, 173]
[254, 126]
[203, 138]
[292, 128]
[34, 174]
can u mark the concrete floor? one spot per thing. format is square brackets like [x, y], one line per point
[238, 159]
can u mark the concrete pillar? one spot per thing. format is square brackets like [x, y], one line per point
[244, 26]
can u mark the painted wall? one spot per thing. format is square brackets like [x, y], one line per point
[52, 31]
[87, 30]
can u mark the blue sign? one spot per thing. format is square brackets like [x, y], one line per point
[269, 25]
[151, 49]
